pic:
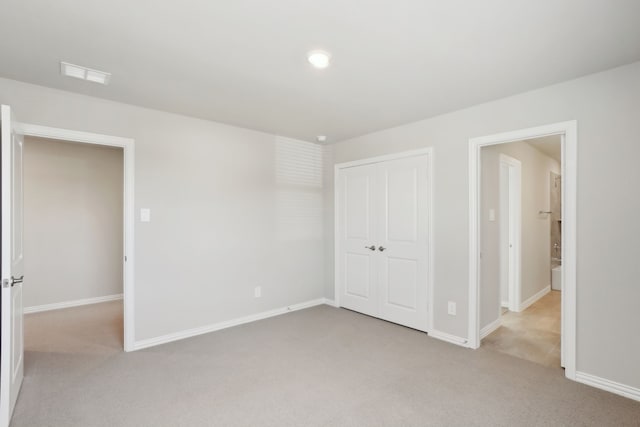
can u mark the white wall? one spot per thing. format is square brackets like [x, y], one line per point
[536, 234]
[231, 209]
[607, 108]
[72, 221]
[213, 192]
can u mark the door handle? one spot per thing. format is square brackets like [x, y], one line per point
[6, 283]
[371, 248]
[381, 248]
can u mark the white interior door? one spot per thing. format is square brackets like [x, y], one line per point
[382, 232]
[402, 241]
[12, 349]
[355, 232]
[510, 230]
[504, 235]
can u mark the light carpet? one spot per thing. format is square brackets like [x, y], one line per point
[316, 367]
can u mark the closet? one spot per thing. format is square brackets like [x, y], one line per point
[383, 237]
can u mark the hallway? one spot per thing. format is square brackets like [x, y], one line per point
[533, 334]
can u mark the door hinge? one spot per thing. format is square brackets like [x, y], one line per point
[125, 258]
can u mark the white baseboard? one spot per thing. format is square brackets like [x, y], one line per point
[490, 327]
[330, 302]
[525, 304]
[607, 385]
[163, 339]
[453, 339]
[68, 304]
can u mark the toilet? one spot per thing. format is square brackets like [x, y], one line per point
[556, 278]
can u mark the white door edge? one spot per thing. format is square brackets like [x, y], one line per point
[12, 346]
[514, 180]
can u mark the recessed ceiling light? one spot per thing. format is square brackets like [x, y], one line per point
[321, 138]
[84, 73]
[319, 59]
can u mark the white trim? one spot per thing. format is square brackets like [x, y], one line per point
[74, 303]
[515, 201]
[453, 339]
[330, 302]
[569, 168]
[490, 327]
[569, 131]
[71, 135]
[535, 297]
[384, 158]
[608, 385]
[430, 256]
[336, 234]
[163, 339]
[428, 151]
[128, 148]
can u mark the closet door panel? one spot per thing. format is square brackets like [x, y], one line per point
[402, 204]
[355, 230]
[402, 208]
[402, 273]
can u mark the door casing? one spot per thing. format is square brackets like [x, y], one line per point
[127, 145]
[569, 133]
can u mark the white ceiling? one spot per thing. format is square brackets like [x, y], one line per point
[243, 62]
[549, 145]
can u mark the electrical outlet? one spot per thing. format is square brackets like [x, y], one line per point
[451, 308]
[257, 292]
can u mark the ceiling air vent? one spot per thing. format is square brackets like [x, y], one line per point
[84, 73]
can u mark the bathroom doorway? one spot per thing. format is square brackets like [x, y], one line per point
[520, 242]
[481, 307]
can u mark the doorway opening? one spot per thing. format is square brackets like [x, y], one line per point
[73, 241]
[522, 237]
[12, 135]
[520, 220]
[118, 306]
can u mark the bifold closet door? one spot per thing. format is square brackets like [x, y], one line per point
[356, 261]
[402, 230]
[382, 235]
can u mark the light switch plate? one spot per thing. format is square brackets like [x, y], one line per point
[451, 308]
[145, 215]
[492, 214]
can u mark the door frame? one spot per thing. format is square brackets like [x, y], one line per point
[338, 167]
[127, 145]
[514, 194]
[569, 133]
